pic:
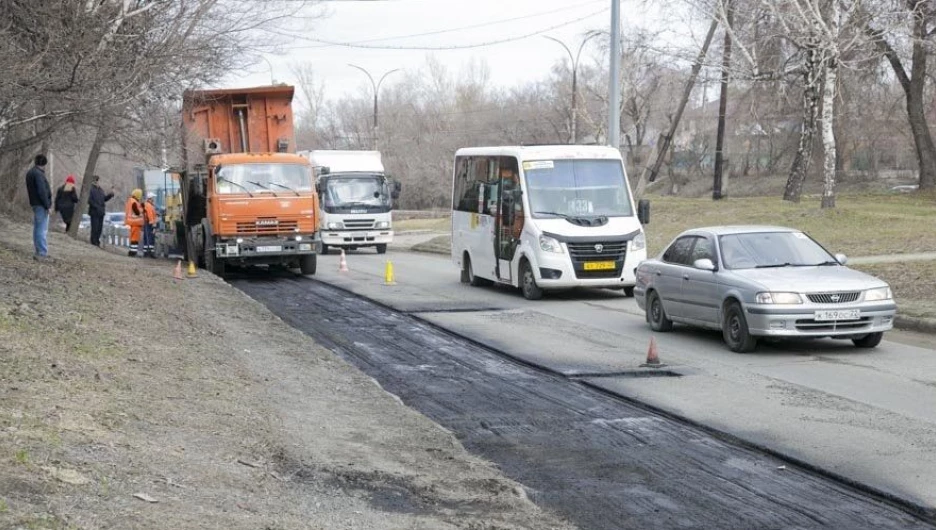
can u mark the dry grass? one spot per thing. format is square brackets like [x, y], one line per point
[443, 224]
[913, 283]
[860, 225]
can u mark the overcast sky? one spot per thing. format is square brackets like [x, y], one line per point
[386, 24]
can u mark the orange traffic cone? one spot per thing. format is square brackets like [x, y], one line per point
[343, 263]
[177, 273]
[653, 357]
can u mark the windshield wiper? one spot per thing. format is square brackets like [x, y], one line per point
[238, 184]
[777, 265]
[286, 188]
[825, 264]
[557, 214]
[257, 184]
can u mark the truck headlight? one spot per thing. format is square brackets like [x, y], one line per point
[550, 244]
[334, 226]
[639, 242]
[875, 295]
[779, 298]
[382, 224]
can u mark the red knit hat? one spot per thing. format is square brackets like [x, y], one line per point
[70, 179]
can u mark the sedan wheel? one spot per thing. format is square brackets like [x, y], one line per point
[656, 316]
[735, 330]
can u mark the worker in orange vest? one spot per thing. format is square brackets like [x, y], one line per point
[150, 219]
[133, 217]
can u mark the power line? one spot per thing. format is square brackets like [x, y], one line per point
[452, 47]
[462, 28]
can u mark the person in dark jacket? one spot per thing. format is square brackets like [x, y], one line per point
[97, 207]
[66, 197]
[40, 199]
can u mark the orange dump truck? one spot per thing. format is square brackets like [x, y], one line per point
[248, 199]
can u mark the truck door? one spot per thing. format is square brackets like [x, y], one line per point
[509, 219]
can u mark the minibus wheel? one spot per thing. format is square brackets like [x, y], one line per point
[528, 286]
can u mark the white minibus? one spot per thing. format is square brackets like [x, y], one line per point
[545, 218]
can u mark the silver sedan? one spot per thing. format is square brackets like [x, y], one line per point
[762, 281]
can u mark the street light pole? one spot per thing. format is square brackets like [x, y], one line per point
[614, 78]
[376, 87]
[574, 60]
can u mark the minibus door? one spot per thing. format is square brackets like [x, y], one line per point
[508, 223]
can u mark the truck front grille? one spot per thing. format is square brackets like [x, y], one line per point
[359, 224]
[266, 226]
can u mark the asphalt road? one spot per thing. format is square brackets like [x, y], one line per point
[598, 460]
[866, 416]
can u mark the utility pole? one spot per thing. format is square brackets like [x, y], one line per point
[376, 87]
[574, 60]
[722, 107]
[614, 78]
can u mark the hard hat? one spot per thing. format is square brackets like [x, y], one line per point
[150, 195]
[137, 194]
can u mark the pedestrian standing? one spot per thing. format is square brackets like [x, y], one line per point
[66, 197]
[133, 217]
[97, 207]
[150, 219]
[40, 199]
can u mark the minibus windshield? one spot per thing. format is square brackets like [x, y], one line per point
[577, 188]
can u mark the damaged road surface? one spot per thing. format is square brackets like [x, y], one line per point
[595, 459]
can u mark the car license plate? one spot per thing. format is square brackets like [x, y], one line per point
[271, 248]
[599, 265]
[842, 314]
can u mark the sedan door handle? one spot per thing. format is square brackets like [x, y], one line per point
[658, 273]
[685, 276]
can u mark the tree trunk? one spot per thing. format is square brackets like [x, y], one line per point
[87, 180]
[828, 133]
[916, 112]
[794, 185]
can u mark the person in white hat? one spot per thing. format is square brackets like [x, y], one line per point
[150, 219]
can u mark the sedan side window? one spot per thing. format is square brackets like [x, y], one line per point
[678, 252]
[703, 249]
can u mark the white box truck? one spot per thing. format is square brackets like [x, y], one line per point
[356, 197]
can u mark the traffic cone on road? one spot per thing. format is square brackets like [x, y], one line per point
[653, 356]
[342, 264]
[177, 273]
[191, 269]
[388, 274]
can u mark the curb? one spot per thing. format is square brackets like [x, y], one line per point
[922, 325]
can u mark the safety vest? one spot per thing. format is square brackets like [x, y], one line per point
[133, 212]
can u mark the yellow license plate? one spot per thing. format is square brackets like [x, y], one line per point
[599, 265]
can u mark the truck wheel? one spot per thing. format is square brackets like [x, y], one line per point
[213, 264]
[307, 264]
[382, 249]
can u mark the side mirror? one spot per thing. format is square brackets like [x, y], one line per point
[395, 190]
[318, 187]
[704, 264]
[841, 258]
[643, 211]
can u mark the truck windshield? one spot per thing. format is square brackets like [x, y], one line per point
[577, 188]
[263, 178]
[358, 193]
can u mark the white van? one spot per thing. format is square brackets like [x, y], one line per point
[546, 217]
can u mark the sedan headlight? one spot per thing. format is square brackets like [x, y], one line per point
[382, 224]
[550, 244]
[639, 242]
[334, 226]
[779, 298]
[875, 295]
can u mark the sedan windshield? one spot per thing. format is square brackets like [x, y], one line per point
[363, 192]
[772, 249]
[575, 188]
[264, 178]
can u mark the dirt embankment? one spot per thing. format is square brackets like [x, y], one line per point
[132, 400]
